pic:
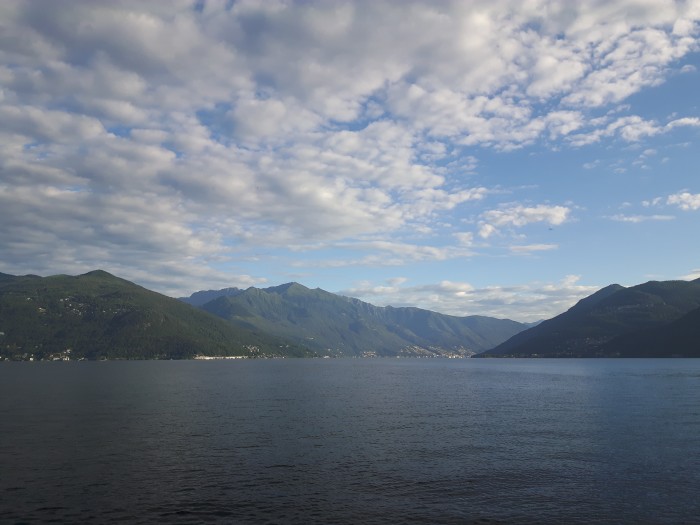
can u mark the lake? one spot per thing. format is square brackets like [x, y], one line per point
[351, 441]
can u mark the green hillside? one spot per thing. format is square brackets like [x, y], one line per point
[611, 323]
[335, 325]
[98, 315]
[680, 338]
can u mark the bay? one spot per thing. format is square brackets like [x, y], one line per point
[351, 441]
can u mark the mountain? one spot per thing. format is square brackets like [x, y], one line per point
[680, 338]
[6, 277]
[98, 315]
[203, 297]
[654, 318]
[335, 325]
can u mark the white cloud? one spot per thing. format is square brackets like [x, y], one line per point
[694, 274]
[525, 302]
[636, 219]
[150, 133]
[562, 123]
[523, 215]
[517, 216]
[396, 281]
[269, 119]
[633, 56]
[530, 248]
[411, 252]
[686, 121]
[49, 125]
[631, 129]
[685, 200]
[653, 202]
[465, 238]
[385, 253]
[486, 230]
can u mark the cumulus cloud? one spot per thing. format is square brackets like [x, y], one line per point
[486, 230]
[163, 136]
[685, 200]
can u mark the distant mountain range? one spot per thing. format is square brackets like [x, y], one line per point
[100, 316]
[331, 324]
[655, 319]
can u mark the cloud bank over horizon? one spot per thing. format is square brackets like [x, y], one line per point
[189, 145]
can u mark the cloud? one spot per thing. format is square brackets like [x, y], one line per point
[518, 216]
[627, 52]
[630, 129]
[465, 238]
[525, 302]
[635, 59]
[386, 253]
[254, 120]
[523, 215]
[636, 219]
[486, 230]
[685, 200]
[181, 140]
[694, 274]
[653, 202]
[136, 227]
[530, 248]
[412, 251]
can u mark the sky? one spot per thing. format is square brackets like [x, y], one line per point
[501, 158]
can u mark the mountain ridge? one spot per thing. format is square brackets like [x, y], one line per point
[610, 322]
[97, 315]
[337, 325]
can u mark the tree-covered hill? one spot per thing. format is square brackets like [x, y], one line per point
[680, 338]
[98, 315]
[655, 318]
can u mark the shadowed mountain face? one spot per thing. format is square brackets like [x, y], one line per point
[97, 315]
[680, 338]
[651, 319]
[335, 325]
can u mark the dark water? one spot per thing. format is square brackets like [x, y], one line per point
[351, 441]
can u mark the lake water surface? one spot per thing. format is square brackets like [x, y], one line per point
[351, 441]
